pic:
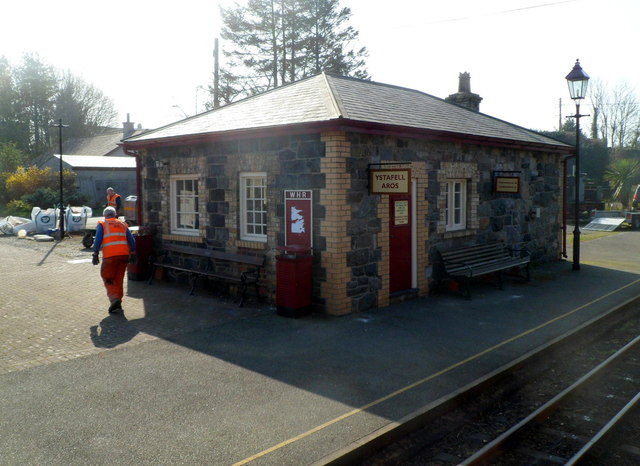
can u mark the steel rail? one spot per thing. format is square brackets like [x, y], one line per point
[502, 442]
[366, 447]
[599, 438]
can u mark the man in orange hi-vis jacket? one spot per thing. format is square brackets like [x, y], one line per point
[118, 247]
[114, 200]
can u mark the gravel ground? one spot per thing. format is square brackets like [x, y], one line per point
[71, 247]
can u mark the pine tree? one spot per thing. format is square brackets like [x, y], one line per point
[274, 42]
[330, 33]
[12, 129]
[37, 89]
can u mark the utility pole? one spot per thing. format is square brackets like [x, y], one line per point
[560, 115]
[216, 76]
[60, 126]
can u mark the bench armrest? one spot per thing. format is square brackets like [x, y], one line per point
[254, 273]
[157, 257]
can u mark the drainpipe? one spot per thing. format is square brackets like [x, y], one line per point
[564, 204]
[136, 154]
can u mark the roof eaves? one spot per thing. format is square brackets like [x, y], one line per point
[439, 135]
[343, 124]
[244, 133]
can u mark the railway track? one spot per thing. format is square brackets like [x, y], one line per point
[575, 400]
[574, 424]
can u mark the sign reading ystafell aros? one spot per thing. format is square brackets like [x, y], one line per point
[389, 181]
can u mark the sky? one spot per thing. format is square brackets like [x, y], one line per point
[153, 59]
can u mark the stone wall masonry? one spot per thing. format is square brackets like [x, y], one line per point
[369, 227]
[490, 216]
[291, 162]
[157, 188]
[351, 226]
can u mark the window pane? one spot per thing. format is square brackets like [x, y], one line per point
[253, 205]
[455, 216]
[446, 208]
[186, 215]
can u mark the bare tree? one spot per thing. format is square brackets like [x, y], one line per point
[34, 94]
[85, 108]
[616, 113]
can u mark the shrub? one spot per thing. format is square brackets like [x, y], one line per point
[43, 198]
[24, 182]
[3, 187]
[47, 197]
[18, 208]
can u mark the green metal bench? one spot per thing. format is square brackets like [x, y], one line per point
[195, 262]
[466, 263]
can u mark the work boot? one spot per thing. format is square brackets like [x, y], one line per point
[115, 306]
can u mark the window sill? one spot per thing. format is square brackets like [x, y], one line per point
[459, 233]
[185, 238]
[251, 244]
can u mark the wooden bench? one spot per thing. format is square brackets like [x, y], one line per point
[483, 259]
[220, 265]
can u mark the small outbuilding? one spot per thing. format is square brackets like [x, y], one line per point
[99, 162]
[373, 177]
[95, 173]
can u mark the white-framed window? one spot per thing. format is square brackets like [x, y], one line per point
[185, 215]
[253, 206]
[456, 207]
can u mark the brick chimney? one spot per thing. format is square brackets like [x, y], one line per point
[464, 97]
[128, 128]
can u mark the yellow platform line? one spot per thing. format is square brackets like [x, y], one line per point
[427, 379]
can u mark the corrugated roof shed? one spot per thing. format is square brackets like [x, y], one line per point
[96, 161]
[327, 98]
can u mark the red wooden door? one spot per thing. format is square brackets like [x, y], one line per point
[399, 242]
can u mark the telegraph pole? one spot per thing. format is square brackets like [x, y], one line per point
[560, 115]
[60, 126]
[216, 76]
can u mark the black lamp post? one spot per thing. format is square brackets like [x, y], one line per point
[60, 126]
[577, 81]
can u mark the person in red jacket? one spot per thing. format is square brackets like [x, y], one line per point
[118, 247]
[114, 200]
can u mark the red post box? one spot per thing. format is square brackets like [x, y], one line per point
[144, 243]
[294, 281]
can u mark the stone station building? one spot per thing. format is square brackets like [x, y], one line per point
[218, 180]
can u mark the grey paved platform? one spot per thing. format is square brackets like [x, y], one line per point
[185, 379]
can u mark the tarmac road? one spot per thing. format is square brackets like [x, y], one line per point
[618, 250]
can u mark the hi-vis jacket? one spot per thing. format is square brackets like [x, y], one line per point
[114, 239]
[112, 201]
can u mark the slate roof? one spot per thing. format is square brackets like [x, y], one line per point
[327, 98]
[102, 144]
